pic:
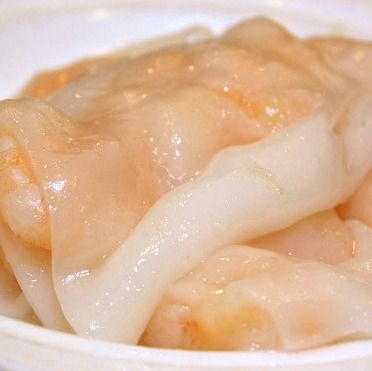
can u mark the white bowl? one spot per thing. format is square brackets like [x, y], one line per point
[38, 34]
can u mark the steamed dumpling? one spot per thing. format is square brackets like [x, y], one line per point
[136, 171]
[246, 298]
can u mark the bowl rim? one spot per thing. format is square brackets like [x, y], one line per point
[44, 337]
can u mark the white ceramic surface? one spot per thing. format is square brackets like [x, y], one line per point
[36, 34]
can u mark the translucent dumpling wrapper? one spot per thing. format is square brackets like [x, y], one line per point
[320, 237]
[128, 177]
[12, 301]
[260, 174]
[358, 206]
[246, 298]
[32, 269]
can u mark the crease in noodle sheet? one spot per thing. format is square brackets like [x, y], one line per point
[358, 206]
[33, 269]
[12, 301]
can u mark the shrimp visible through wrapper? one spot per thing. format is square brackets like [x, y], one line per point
[194, 315]
[320, 237]
[46, 83]
[359, 206]
[246, 298]
[21, 205]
